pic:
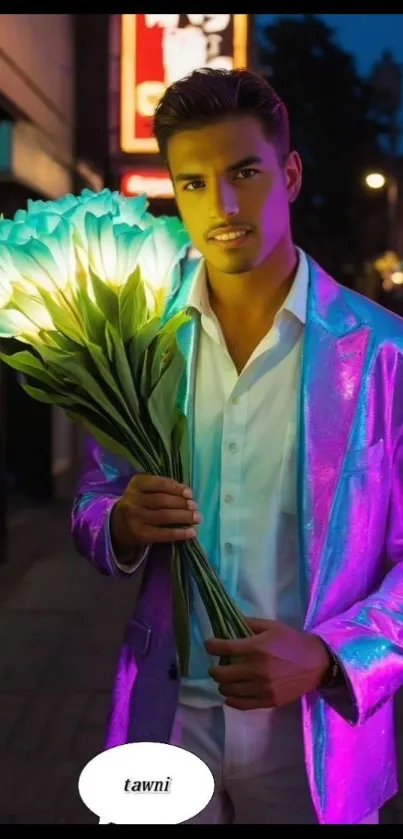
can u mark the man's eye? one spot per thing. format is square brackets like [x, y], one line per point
[193, 185]
[244, 174]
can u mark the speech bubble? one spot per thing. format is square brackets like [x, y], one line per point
[146, 783]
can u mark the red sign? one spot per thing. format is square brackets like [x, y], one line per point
[159, 49]
[152, 182]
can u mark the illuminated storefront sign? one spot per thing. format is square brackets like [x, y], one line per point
[154, 183]
[156, 50]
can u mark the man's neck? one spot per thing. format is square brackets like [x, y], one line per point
[251, 301]
[258, 294]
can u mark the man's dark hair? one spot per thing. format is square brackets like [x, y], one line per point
[207, 96]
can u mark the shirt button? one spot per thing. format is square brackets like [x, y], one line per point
[228, 547]
[235, 400]
[228, 499]
[232, 447]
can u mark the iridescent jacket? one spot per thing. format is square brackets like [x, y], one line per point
[350, 520]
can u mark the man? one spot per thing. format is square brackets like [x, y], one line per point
[296, 419]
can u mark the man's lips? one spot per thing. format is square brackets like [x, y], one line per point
[229, 234]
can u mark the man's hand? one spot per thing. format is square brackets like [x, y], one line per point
[153, 509]
[277, 665]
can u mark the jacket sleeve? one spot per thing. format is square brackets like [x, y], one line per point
[104, 478]
[367, 639]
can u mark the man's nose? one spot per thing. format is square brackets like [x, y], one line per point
[223, 202]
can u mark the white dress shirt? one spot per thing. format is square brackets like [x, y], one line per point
[244, 472]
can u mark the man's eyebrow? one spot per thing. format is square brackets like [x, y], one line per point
[252, 159]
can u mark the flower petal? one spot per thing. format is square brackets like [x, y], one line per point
[129, 245]
[162, 251]
[14, 324]
[34, 310]
[133, 211]
[101, 247]
[35, 262]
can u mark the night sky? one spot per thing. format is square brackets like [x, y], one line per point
[365, 36]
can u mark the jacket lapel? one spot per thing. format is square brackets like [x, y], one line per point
[334, 353]
[187, 338]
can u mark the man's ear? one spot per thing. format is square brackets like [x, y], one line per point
[293, 175]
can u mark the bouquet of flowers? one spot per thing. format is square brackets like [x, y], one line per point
[83, 282]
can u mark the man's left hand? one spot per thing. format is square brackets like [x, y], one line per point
[275, 666]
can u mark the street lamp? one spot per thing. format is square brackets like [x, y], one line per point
[376, 180]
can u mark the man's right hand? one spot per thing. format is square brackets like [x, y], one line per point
[153, 509]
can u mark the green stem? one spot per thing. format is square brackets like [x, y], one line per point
[227, 605]
[224, 615]
[180, 609]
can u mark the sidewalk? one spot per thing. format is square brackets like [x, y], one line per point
[61, 623]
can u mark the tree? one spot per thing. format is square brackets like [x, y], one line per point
[334, 128]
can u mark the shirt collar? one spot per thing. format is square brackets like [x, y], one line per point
[295, 302]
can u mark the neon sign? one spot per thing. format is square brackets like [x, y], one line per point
[158, 49]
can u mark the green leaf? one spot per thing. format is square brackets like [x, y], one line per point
[166, 345]
[56, 339]
[162, 402]
[39, 395]
[106, 441]
[123, 369]
[92, 317]
[164, 348]
[26, 363]
[106, 299]
[65, 319]
[104, 391]
[108, 344]
[132, 306]
[144, 378]
[105, 367]
[181, 450]
[142, 313]
[126, 396]
[140, 343]
[89, 413]
[107, 433]
[74, 368]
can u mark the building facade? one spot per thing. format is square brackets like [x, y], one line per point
[40, 158]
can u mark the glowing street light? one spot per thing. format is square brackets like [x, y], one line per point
[375, 180]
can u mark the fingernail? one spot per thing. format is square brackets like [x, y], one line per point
[187, 493]
[192, 505]
[197, 518]
[192, 533]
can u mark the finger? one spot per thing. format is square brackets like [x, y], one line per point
[229, 673]
[246, 690]
[258, 625]
[162, 535]
[241, 703]
[152, 483]
[168, 518]
[231, 646]
[161, 501]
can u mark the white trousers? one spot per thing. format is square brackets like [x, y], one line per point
[257, 761]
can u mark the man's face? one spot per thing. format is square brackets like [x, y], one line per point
[232, 192]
